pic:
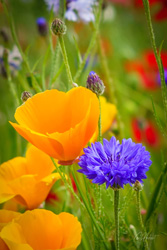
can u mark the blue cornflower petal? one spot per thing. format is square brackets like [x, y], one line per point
[115, 164]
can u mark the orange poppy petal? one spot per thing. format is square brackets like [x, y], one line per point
[31, 193]
[40, 141]
[13, 237]
[43, 163]
[53, 121]
[5, 217]
[30, 231]
[72, 235]
[35, 231]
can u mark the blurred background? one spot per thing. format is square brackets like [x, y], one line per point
[125, 43]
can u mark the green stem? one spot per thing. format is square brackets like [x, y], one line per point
[90, 211]
[68, 186]
[91, 44]
[101, 141]
[116, 215]
[63, 50]
[140, 219]
[99, 124]
[13, 31]
[110, 84]
[158, 58]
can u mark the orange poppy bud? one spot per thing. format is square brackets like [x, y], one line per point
[60, 124]
[27, 179]
[42, 229]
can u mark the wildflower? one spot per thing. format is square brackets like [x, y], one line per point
[53, 4]
[95, 84]
[80, 10]
[14, 60]
[108, 114]
[162, 11]
[42, 229]
[147, 69]
[60, 124]
[27, 179]
[115, 164]
[76, 9]
[145, 131]
[6, 216]
[42, 26]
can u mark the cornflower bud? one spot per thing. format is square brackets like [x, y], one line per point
[25, 95]
[58, 27]
[42, 26]
[95, 84]
[137, 186]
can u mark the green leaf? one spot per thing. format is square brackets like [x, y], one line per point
[157, 193]
[157, 119]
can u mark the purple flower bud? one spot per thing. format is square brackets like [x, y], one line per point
[42, 26]
[95, 84]
[25, 96]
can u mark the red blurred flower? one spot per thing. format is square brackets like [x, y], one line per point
[162, 11]
[51, 198]
[147, 69]
[145, 131]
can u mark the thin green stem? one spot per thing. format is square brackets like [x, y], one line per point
[116, 215]
[13, 31]
[99, 123]
[91, 44]
[110, 84]
[138, 206]
[158, 58]
[68, 186]
[100, 140]
[63, 50]
[90, 211]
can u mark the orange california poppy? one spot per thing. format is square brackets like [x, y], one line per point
[108, 114]
[58, 123]
[41, 229]
[5, 217]
[27, 179]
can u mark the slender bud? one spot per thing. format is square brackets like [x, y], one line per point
[95, 84]
[137, 186]
[42, 26]
[25, 96]
[58, 27]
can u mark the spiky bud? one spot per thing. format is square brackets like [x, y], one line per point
[137, 186]
[25, 96]
[95, 84]
[58, 27]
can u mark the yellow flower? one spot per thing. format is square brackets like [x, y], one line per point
[60, 124]
[28, 179]
[5, 217]
[42, 229]
[108, 114]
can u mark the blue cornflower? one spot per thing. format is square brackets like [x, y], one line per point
[14, 60]
[80, 10]
[76, 9]
[115, 164]
[53, 4]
